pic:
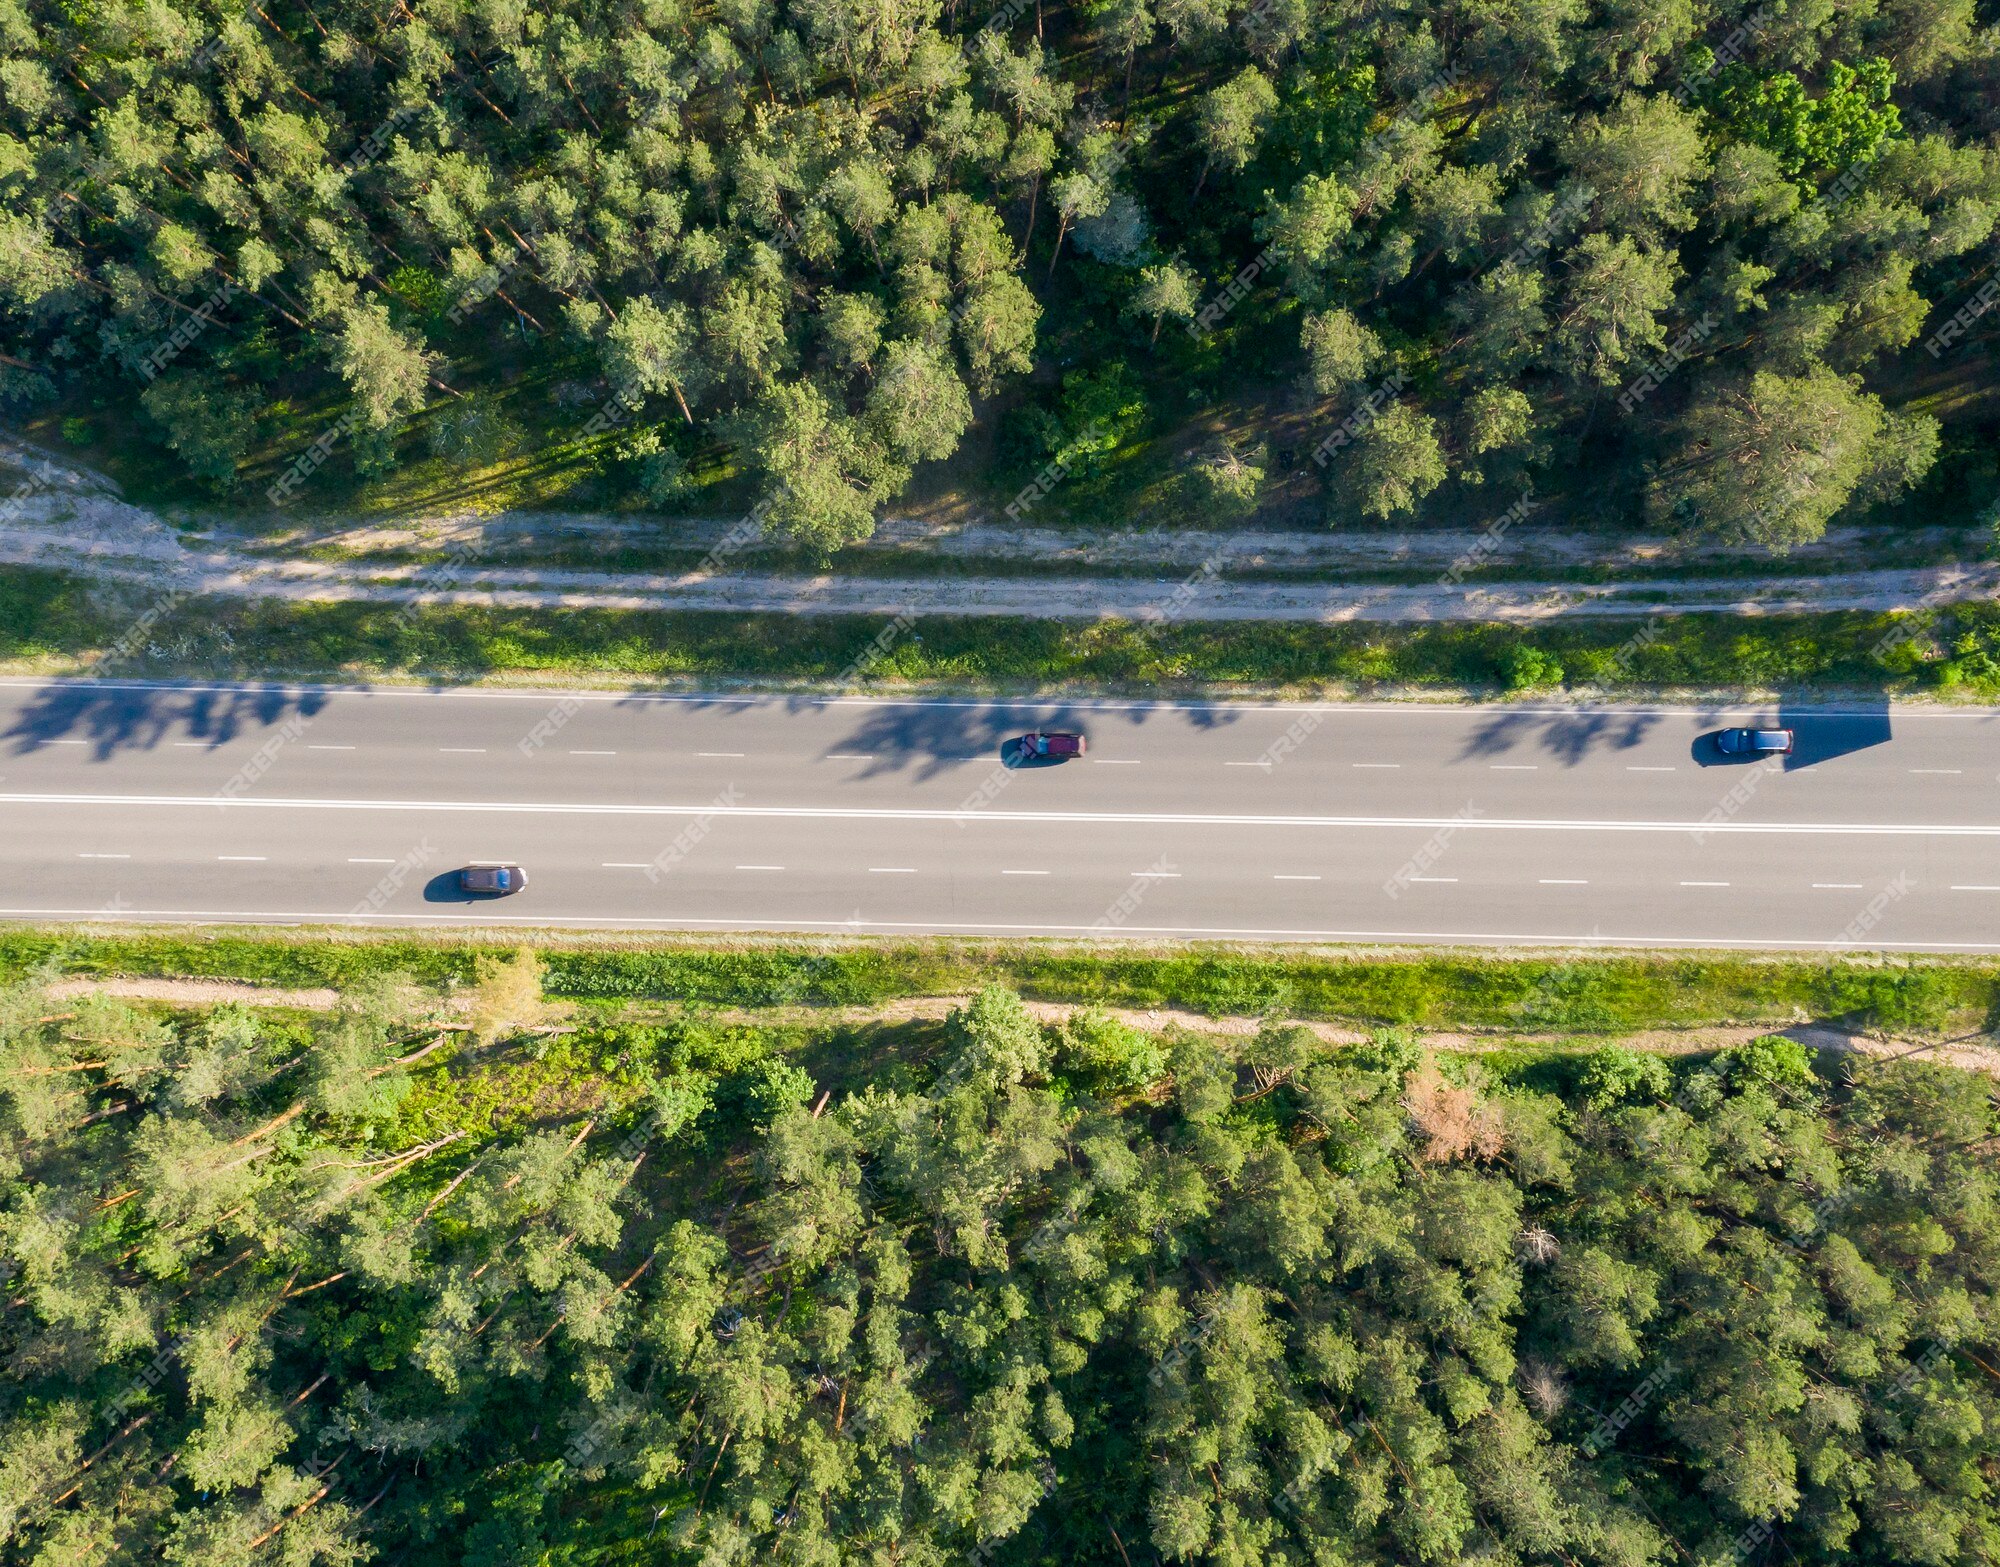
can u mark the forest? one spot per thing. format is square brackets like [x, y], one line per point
[461, 1275]
[1717, 267]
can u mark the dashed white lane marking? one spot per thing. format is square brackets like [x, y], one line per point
[892, 870]
[1282, 877]
[1156, 875]
[593, 753]
[850, 756]
[1265, 765]
[737, 754]
[1836, 886]
[626, 865]
[760, 867]
[352, 861]
[329, 748]
[1514, 767]
[462, 750]
[1630, 768]
[243, 856]
[104, 856]
[130, 802]
[1968, 888]
[1937, 769]
[65, 742]
[1433, 878]
[1390, 765]
[1114, 761]
[1564, 881]
[192, 745]
[1024, 873]
[1704, 884]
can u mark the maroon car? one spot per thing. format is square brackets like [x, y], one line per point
[1038, 743]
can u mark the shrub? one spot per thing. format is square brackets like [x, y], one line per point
[1099, 1053]
[1615, 1075]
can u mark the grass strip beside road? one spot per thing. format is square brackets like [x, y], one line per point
[1546, 993]
[56, 623]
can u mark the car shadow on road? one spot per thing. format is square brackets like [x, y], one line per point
[114, 718]
[1822, 736]
[1819, 734]
[444, 888]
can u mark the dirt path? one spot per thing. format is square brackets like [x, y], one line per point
[66, 517]
[158, 558]
[196, 992]
[519, 535]
[1974, 1056]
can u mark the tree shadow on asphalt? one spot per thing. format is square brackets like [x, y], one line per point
[1568, 737]
[115, 718]
[934, 735]
[933, 739]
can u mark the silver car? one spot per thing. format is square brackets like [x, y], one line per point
[1754, 742]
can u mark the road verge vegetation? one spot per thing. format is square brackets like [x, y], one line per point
[472, 1274]
[1563, 992]
[55, 624]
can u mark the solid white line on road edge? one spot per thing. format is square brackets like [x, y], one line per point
[1458, 823]
[892, 870]
[1595, 938]
[1563, 881]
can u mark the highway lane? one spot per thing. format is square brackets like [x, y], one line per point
[1340, 822]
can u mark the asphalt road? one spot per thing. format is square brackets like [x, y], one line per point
[1329, 823]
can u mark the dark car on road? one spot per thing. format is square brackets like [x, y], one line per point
[493, 880]
[1754, 742]
[1053, 746]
